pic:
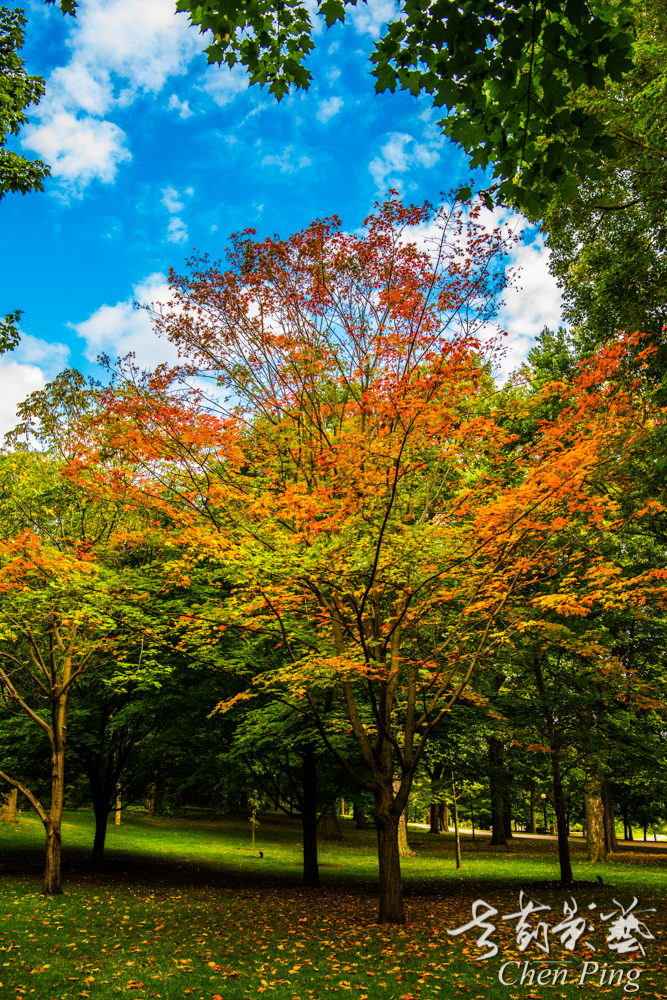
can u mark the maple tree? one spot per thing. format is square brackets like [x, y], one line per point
[67, 608]
[349, 470]
[507, 74]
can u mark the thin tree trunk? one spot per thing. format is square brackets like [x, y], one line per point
[507, 817]
[311, 873]
[457, 838]
[611, 843]
[496, 782]
[595, 838]
[53, 825]
[434, 811]
[101, 819]
[566, 877]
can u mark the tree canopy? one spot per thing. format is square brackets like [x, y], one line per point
[506, 75]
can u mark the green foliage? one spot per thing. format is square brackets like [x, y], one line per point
[608, 239]
[505, 74]
[18, 91]
[9, 334]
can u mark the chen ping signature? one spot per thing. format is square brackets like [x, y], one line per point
[622, 928]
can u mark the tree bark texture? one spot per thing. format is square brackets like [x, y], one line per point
[434, 819]
[595, 833]
[403, 846]
[8, 814]
[52, 868]
[443, 817]
[391, 909]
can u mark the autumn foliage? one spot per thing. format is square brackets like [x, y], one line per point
[335, 439]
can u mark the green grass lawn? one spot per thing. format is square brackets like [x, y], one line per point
[182, 909]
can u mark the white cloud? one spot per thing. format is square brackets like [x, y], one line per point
[399, 155]
[532, 299]
[117, 330]
[368, 18]
[329, 108]
[316, 19]
[177, 230]
[183, 107]
[16, 382]
[170, 200]
[79, 150]
[534, 303]
[224, 84]
[27, 369]
[50, 357]
[285, 163]
[334, 72]
[139, 42]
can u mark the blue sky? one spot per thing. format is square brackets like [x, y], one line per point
[153, 154]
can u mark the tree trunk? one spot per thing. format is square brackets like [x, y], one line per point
[53, 825]
[389, 864]
[610, 841]
[507, 818]
[311, 873]
[532, 828]
[434, 811]
[443, 817]
[101, 819]
[561, 814]
[359, 816]
[403, 846]
[330, 826]
[595, 838]
[496, 783]
[566, 877]
[118, 806]
[149, 801]
[8, 814]
[457, 838]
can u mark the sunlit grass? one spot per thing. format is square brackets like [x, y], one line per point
[182, 909]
